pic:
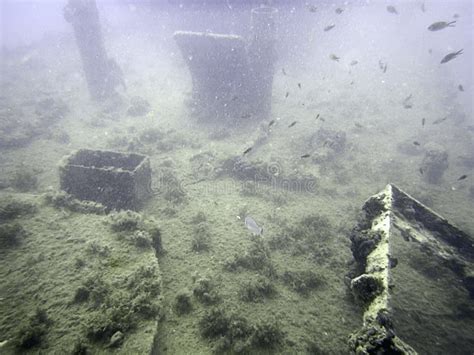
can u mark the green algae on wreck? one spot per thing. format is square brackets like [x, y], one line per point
[86, 304]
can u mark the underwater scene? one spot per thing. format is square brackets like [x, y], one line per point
[236, 177]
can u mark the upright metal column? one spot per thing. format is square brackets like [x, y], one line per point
[262, 57]
[232, 77]
[102, 73]
[219, 69]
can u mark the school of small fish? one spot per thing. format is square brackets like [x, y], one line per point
[383, 66]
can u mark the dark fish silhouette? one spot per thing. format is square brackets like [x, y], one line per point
[328, 28]
[392, 9]
[334, 57]
[450, 56]
[292, 124]
[407, 102]
[462, 177]
[383, 66]
[283, 71]
[305, 156]
[439, 120]
[423, 121]
[247, 151]
[460, 87]
[286, 95]
[421, 171]
[338, 11]
[440, 25]
[271, 123]
[299, 85]
[416, 143]
[328, 143]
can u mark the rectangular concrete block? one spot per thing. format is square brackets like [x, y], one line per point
[117, 180]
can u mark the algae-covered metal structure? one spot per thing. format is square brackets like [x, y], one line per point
[404, 248]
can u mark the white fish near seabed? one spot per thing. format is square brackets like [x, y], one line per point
[252, 226]
[3, 343]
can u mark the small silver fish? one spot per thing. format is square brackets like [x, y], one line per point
[252, 226]
[3, 343]
[440, 25]
[450, 56]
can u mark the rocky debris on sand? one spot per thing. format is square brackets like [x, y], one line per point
[327, 144]
[434, 164]
[18, 129]
[116, 339]
[138, 106]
